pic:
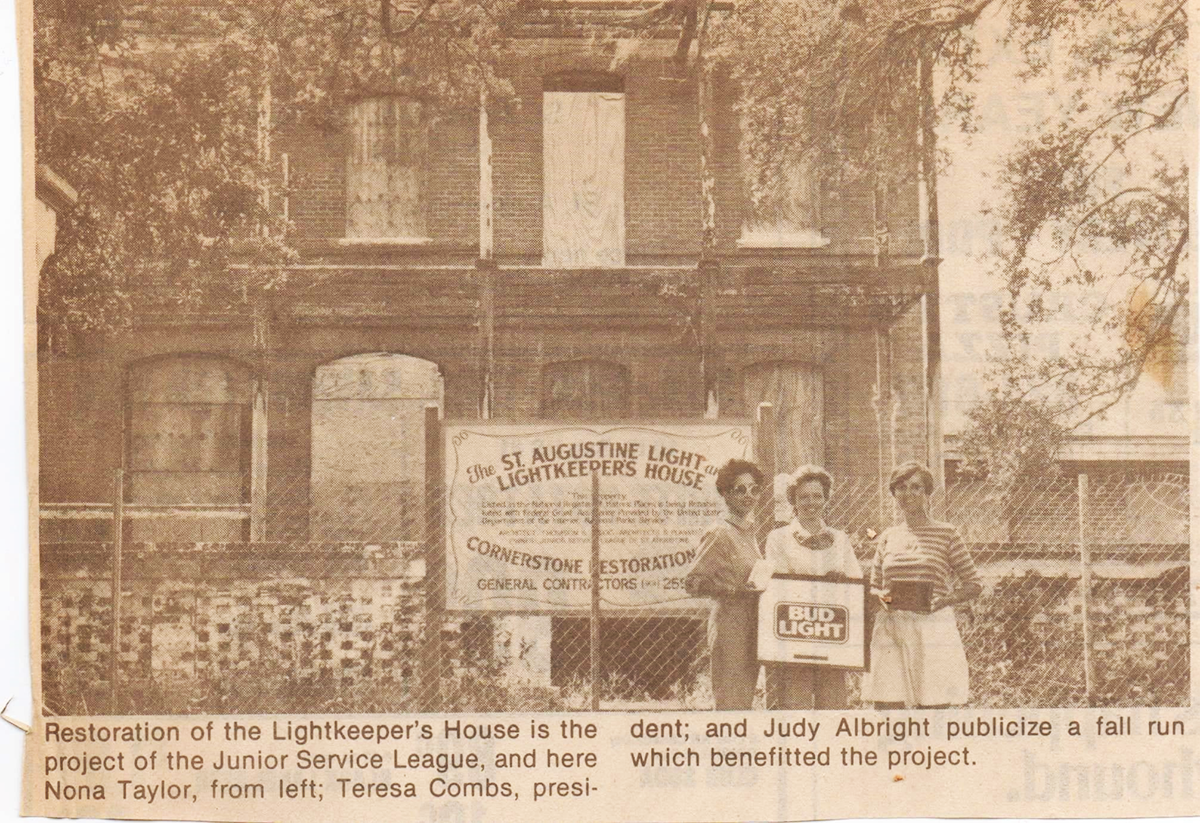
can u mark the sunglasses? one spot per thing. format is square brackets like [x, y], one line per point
[753, 489]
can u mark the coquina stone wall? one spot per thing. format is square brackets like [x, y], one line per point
[340, 627]
[237, 616]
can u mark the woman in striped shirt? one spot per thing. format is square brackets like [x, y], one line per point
[921, 570]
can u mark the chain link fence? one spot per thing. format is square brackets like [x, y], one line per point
[339, 603]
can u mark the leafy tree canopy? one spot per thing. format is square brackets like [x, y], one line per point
[1092, 207]
[154, 113]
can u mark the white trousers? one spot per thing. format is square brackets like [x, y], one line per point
[916, 659]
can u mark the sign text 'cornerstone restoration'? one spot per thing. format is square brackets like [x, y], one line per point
[519, 508]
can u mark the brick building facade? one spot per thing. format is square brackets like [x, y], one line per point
[261, 407]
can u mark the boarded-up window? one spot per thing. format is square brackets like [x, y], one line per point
[385, 170]
[797, 393]
[189, 442]
[583, 198]
[585, 389]
[368, 447]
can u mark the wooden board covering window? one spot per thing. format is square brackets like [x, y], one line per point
[368, 447]
[187, 437]
[797, 391]
[583, 198]
[385, 170]
[189, 441]
[585, 389]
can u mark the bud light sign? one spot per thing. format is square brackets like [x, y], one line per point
[811, 621]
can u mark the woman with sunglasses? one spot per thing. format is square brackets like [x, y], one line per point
[728, 554]
[808, 546]
[921, 570]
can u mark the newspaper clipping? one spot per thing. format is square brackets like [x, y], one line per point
[609, 410]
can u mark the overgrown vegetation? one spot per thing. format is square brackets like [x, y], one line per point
[1091, 209]
[161, 116]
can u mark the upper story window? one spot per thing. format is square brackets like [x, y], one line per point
[786, 212]
[583, 177]
[385, 171]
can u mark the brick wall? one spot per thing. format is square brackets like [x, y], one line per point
[848, 204]
[662, 164]
[432, 314]
[81, 407]
[663, 371]
[317, 179]
[1024, 640]
[517, 175]
[80, 425]
[660, 356]
[662, 182]
[453, 184]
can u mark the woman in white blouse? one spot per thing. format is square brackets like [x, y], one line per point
[808, 546]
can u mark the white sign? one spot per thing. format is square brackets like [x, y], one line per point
[809, 620]
[519, 508]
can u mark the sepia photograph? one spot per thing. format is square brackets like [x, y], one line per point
[469, 356]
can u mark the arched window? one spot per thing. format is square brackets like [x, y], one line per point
[190, 441]
[797, 393]
[368, 446]
[585, 389]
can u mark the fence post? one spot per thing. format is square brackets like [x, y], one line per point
[430, 678]
[764, 444]
[594, 633]
[118, 529]
[764, 453]
[1085, 582]
[258, 463]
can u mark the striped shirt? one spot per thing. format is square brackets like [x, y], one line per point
[933, 553]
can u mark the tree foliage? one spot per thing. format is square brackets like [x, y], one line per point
[1009, 440]
[821, 78]
[154, 113]
[1094, 220]
[1091, 217]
